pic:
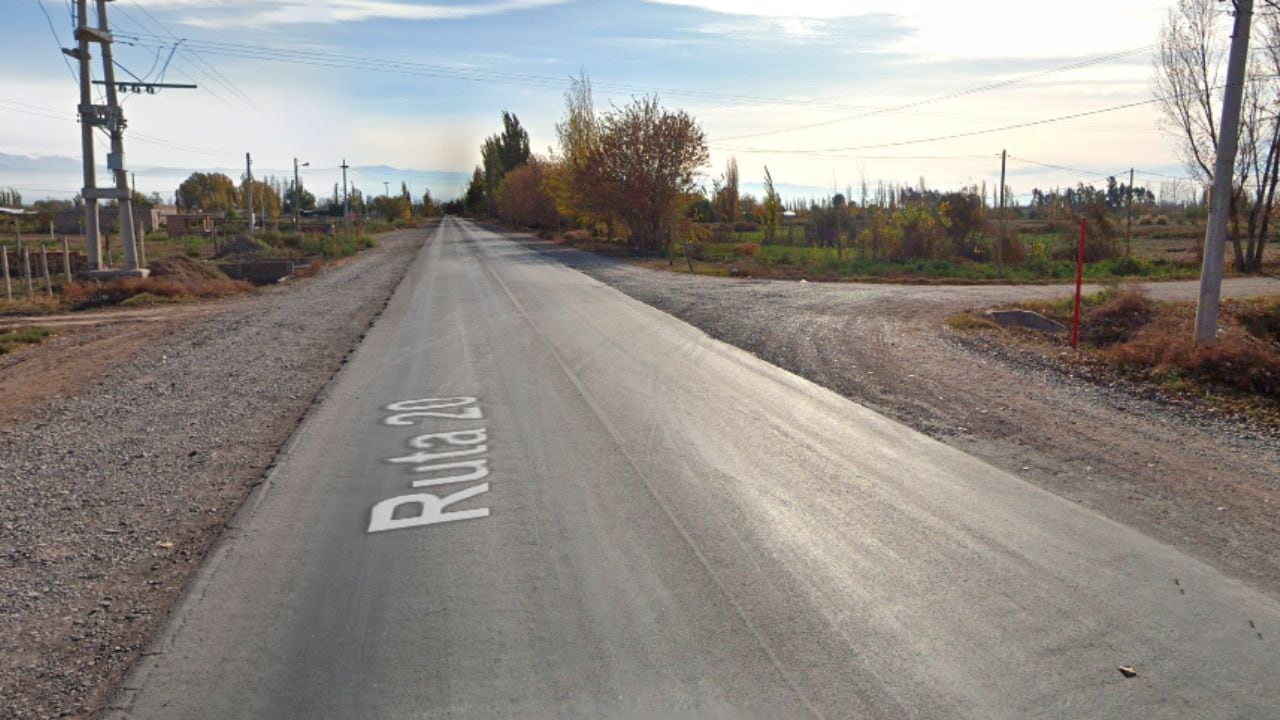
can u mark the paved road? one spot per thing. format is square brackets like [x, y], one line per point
[633, 520]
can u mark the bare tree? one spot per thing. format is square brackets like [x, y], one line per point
[1188, 81]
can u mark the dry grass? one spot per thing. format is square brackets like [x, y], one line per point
[1152, 342]
[969, 322]
[85, 295]
[1120, 316]
[41, 304]
[1165, 351]
[746, 249]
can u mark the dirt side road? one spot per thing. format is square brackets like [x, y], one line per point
[114, 484]
[1208, 486]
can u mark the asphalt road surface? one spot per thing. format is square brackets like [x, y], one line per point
[616, 516]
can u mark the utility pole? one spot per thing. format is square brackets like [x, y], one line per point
[1000, 241]
[1215, 237]
[346, 202]
[297, 197]
[1128, 219]
[115, 158]
[386, 188]
[89, 117]
[111, 117]
[248, 173]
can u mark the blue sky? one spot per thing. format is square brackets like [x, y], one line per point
[418, 85]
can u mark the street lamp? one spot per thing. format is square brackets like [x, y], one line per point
[297, 196]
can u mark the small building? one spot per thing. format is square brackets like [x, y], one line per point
[196, 223]
[148, 217]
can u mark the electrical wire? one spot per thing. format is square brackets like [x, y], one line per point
[226, 83]
[57, 41]
[208, 71]
[51, 113]
[952, 95]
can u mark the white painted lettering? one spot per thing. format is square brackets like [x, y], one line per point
[457, 437]
[406, 410]
[426, 457]
[431, 510]
[479, 471]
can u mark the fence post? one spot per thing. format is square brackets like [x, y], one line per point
[44, 265]
[66, 258]
[4, 266]
[26, 268]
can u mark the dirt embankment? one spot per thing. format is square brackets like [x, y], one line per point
[114, 484]
[1207, 484]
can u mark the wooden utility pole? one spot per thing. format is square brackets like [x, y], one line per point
[248, 174]
[1128, 219]
[1000, 241]
[1215, 237]
[346, 202]
[297, 196]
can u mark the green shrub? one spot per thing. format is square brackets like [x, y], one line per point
[13, 338]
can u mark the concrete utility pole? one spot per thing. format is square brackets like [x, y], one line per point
[297, 196]
[1215, 237]
[107, 116]
[89, 117]
[1000, 241]
[1128, 219]
[115, 158]
[248, 173]
[346, 203]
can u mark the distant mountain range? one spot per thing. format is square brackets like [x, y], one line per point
[61, 177]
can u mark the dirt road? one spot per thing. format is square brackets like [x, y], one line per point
[1207, 485]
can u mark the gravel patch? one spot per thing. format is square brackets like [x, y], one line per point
[112, 496]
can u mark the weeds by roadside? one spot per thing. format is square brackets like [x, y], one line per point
[13, 338]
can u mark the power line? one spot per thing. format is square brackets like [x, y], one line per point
[57, 41]
[987, 131]
[956, 136]
[227, 83]
[352, 62]
[51, 113]
[953, 95]
[211, 73]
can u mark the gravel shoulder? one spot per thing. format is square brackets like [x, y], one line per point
[114, 487]
[1206, 484]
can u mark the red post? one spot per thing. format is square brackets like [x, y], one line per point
[1075, 319]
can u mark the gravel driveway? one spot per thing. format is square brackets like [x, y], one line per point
[1207, 485]
[111, 496]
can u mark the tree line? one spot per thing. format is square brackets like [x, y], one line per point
[630, 170]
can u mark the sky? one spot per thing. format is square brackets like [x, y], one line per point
[812, 89]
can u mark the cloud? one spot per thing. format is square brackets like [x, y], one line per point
[257, 13]
[961, 30]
